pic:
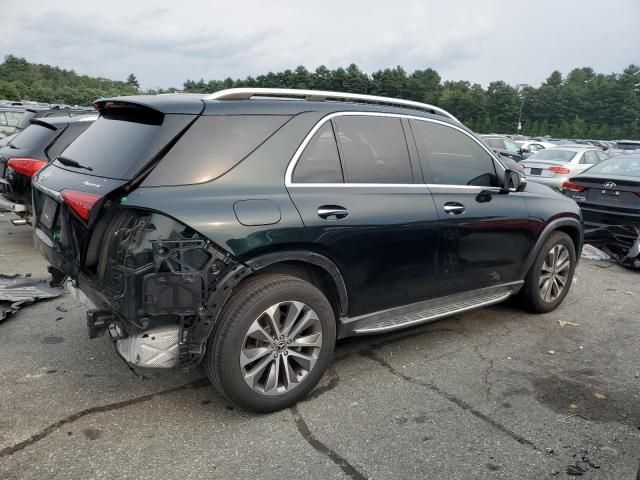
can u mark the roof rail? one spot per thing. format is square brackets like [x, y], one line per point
[321, 95]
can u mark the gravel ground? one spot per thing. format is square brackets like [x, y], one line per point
[495, 393]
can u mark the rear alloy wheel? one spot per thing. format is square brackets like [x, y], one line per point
[274, 341]
[281, 347]
[550, 276]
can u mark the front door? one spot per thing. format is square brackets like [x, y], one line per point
[484, 236]
[364, 204]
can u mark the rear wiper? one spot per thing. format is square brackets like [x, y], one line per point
[72, 163]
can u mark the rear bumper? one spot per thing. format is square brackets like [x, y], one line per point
[9, 206]
[553, 182]
[595, 217]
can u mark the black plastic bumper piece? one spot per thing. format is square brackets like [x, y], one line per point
[97, 321]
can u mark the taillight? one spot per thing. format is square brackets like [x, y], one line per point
[523, 165]
[561, 170]
[574, 187]
[80, 202]
[26, 166]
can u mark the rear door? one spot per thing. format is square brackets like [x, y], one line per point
[484, 235]
[363, 202]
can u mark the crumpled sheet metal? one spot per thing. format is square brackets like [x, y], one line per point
[621, 242]
[17, 291]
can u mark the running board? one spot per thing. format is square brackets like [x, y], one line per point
[423, 312]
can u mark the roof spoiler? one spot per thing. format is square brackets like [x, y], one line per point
[128, 111]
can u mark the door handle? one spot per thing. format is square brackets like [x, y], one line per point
[454, 208]
[335, 211]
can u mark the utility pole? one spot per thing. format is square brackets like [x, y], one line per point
[519, 89]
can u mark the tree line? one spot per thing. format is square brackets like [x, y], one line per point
[581, 104]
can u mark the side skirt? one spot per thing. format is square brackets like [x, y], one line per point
[427, 311]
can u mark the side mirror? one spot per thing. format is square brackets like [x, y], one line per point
[512, 181]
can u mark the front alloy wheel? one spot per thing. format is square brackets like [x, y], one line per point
[554, 273]
[549, 278]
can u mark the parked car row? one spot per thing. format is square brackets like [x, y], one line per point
[248, 233]
[15, 116]
[32, 148]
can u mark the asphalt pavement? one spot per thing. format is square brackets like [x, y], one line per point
[495, 393]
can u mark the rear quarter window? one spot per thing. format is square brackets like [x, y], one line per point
[212, 146]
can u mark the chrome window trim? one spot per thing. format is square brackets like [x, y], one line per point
[288, 179]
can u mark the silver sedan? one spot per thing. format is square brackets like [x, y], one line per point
[554, 166]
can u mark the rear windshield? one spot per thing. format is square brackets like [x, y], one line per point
[627, 146]
[119, 148]
[34, 136]
[495, 143]
[619, 166]
[212, 146]
[554, 154]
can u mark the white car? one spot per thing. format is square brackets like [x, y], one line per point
[532, 146]
[554, 166]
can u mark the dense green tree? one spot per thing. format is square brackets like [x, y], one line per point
[132, 81]
[583, 103]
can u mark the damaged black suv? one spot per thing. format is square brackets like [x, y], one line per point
[251, 228]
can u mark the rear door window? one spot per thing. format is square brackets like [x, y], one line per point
[320, 162]
[374, 149]
[450, 157]
[212, 146]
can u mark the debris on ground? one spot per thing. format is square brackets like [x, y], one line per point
[564, 322]
[600, 396]
[619, 242]
[18, 291]
[582, 465]
[551, 352]
[592, 253]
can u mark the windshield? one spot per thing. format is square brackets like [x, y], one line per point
[511, 146]
[619, 166]
[555, 154]
[34, 135]
[627, 146]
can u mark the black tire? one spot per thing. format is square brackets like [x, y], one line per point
[531, 295]
[252, 298]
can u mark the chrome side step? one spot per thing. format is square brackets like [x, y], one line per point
[423, 312]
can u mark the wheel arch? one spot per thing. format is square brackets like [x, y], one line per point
[569, 225]
[310, 266]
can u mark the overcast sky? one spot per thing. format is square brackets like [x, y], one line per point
[165, 43]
